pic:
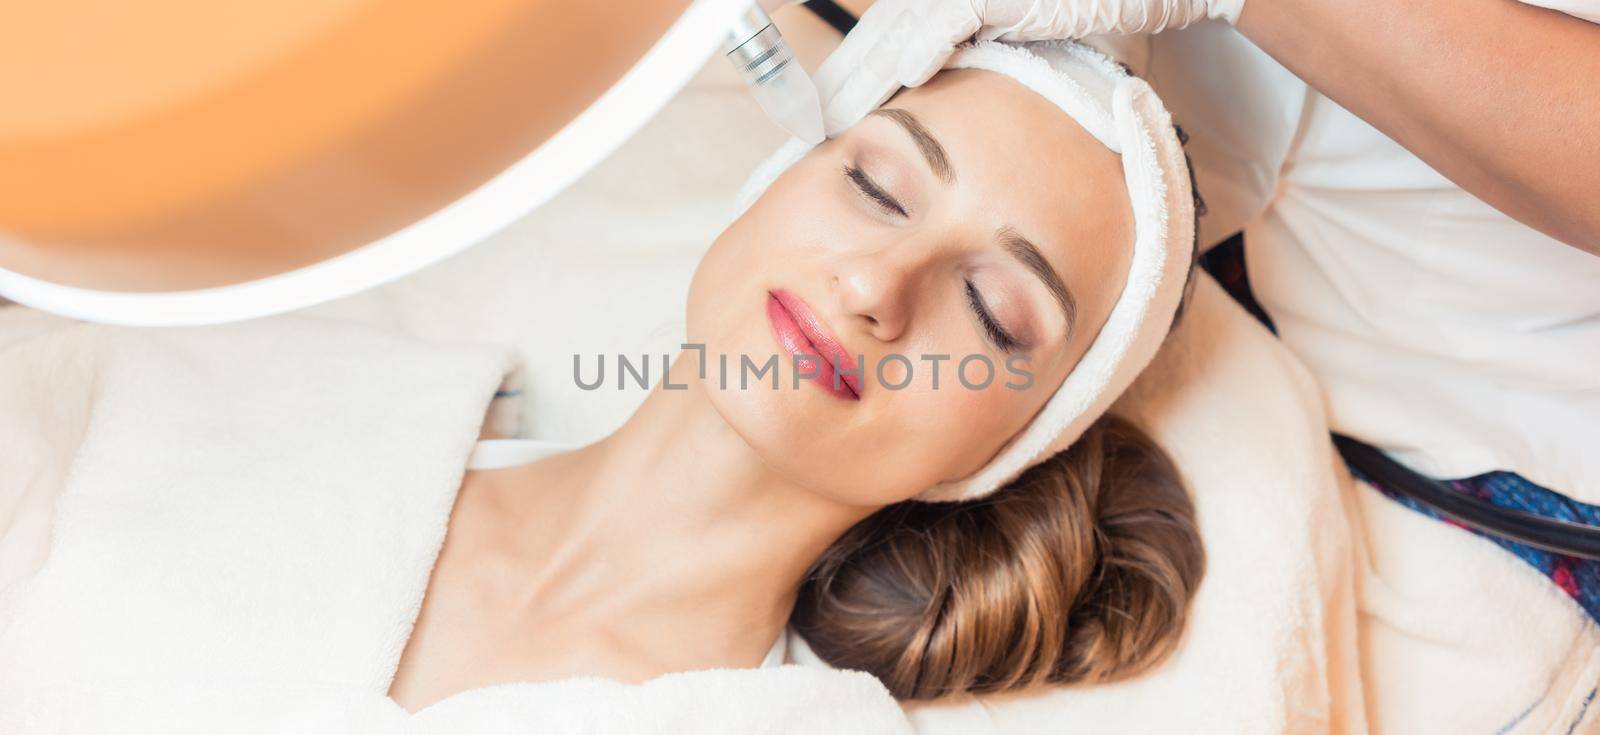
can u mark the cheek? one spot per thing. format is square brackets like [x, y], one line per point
[737, 264]
[807, 211]
[921, 435]
[776, 242]
[768, 247]
[964, 427]
[712, 277]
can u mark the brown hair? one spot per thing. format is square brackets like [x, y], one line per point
[1081, 570]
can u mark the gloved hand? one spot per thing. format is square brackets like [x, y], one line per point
[901, 43]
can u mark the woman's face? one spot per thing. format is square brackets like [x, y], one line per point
[968, 223]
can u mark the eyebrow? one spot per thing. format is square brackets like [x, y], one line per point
[1025, 251]
[937, 158]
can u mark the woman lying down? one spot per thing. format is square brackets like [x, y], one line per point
[982, 266]
[969, 217]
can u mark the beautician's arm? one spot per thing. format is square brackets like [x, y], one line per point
[1501, 97]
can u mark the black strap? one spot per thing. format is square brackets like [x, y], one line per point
[1561, 537]
[830, 12]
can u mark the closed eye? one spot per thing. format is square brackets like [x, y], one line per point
[997, 333]
[872, 191]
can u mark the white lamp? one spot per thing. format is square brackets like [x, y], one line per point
[331, 182]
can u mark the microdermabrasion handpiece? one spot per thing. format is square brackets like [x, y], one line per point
[765, 63]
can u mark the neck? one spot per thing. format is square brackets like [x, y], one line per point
[676, 516]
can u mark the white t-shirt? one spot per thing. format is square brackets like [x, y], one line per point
[1440, 329]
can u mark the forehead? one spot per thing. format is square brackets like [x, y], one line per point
[1022, 162]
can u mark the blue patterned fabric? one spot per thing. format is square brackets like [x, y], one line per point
[1579, 578]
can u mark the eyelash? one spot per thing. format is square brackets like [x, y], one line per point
[872, 191]
[998, 334]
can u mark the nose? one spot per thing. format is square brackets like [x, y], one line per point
[876, 289]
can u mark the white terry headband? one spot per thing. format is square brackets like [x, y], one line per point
[1124, 114]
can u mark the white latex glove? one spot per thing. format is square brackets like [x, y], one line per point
[901, 43]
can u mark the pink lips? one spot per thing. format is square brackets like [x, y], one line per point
[801, 333]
